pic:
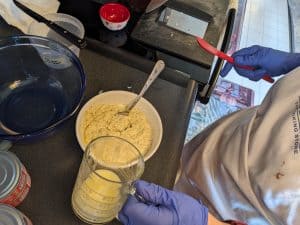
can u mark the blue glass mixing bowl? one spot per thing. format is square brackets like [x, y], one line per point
[41, 86]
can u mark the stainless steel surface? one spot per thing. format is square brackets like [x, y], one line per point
[157, 69]
[9, 173]
[154, 4]
[183, 22]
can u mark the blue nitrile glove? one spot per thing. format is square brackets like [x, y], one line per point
[267, 61]
[162, 207]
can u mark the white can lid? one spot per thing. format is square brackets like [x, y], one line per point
[10, 167]
[10, 216]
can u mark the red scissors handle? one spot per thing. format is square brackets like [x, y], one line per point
[209, 48]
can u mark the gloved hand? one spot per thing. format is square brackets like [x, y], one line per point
[162, 207]
[265, 61]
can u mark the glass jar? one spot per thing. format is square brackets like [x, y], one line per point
[109, 167]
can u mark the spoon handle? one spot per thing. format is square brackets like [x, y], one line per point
[159, 66]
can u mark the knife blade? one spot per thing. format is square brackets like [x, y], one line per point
[154, 4]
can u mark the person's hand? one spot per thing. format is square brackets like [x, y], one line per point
[266, 61]
[162, 207]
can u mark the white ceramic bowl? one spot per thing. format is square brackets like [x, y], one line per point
[114, 26]
[114, 16]
[123, 97]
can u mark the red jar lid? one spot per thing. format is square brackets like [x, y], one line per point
[114, 12]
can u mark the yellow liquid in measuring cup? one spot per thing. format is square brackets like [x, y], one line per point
[98, 200]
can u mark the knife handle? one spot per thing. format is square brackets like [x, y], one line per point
[80, 43]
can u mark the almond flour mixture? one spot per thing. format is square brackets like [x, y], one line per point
[104, 120]
[97, 198]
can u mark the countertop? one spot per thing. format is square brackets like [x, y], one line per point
[53, 161]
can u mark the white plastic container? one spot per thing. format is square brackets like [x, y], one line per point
[70, 23]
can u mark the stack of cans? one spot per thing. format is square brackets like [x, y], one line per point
[15, 183]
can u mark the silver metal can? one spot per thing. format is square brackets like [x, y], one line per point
[15, 182]
[11, 216]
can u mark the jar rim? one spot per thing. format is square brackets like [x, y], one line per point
[140, 159]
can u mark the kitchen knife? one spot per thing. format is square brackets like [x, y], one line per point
[154, 4]
[209, 48]
[80, 43]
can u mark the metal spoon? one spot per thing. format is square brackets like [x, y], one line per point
[158, 68]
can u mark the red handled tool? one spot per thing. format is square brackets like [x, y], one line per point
[209, 48]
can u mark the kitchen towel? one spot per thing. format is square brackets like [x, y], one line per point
[16, 17]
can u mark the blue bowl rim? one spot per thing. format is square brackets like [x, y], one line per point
[76, 106]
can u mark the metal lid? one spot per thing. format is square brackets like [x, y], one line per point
[10, 216]
[9, 172]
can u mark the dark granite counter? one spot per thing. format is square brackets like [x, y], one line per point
[179, 44]
[53, 161]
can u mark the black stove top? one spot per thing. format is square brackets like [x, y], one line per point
[87, 13]
[136, 38]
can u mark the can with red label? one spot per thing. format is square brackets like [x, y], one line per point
[11, 216]
[15, 182]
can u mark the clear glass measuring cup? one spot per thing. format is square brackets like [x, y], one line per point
[108, 168]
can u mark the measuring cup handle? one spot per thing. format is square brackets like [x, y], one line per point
[132, 191]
